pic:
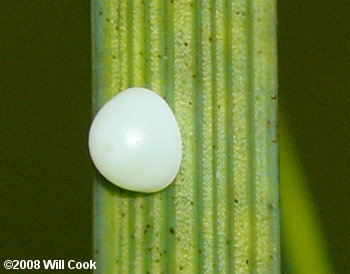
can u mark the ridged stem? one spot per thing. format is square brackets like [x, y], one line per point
[215, 64]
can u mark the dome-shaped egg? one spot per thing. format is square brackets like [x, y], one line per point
[135, 142]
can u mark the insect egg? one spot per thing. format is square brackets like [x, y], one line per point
[135, 141]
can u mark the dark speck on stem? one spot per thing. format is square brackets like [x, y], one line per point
[270, 206]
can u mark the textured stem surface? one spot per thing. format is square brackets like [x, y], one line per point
[215, 64]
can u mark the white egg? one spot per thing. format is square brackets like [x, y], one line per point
[135, 142]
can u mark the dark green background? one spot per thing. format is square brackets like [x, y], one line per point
[45, 83]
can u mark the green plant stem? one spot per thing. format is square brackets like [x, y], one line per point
[303, 241]
[215, 64]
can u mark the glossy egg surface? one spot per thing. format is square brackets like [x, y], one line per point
[135, 142]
